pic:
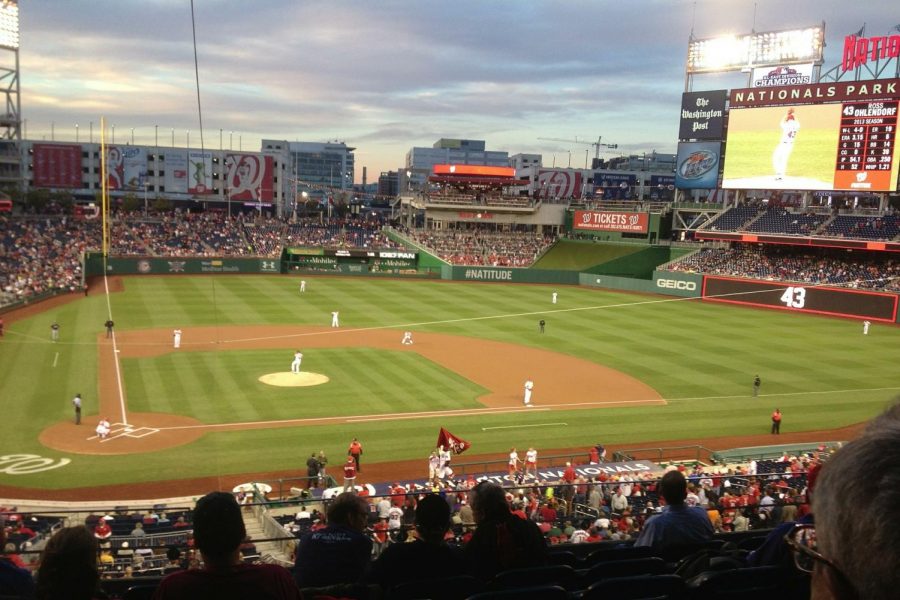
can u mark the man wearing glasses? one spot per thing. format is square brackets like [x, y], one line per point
[853, 550]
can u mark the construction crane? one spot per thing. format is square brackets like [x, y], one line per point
[597, 145]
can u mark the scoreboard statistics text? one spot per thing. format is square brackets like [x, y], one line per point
[867, 140]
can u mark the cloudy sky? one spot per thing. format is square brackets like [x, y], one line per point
[388, 75]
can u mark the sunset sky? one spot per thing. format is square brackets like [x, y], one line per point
[386, 76]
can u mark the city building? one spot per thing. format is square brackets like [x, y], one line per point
[420, 161]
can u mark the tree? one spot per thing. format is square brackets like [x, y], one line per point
[131, 203]
[37, 199]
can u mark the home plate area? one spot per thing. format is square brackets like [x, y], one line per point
[117, 430]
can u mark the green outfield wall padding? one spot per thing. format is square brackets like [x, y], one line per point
[93, 265]
[640, 264]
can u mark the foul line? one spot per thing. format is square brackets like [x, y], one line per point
[521, 426]
[495, 410]
[115, 355]
[55, 359]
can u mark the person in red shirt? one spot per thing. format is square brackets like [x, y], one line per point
[349, 474]
[102, 530]
[776, 421]
[398, 494]
[355, 452]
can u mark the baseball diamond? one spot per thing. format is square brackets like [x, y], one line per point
[628, 369]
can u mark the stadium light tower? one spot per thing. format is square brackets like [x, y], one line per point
[10, 118]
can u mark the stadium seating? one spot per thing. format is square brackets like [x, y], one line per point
[640, 587]
[734, 218]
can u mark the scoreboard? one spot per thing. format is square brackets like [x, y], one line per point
[837, 136]
[867, 140]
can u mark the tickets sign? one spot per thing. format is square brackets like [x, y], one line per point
[609, 220]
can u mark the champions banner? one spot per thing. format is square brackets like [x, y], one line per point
[609, 220]
[451, 442]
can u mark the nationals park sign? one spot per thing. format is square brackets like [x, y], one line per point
[611, 220]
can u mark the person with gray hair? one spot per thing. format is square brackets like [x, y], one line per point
[853, 550]
[339, 553]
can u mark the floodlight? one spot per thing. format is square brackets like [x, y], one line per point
[772, 48]
[9, 24]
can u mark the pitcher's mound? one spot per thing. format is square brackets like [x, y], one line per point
[288, 379]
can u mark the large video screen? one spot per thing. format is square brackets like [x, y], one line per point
[848, 145]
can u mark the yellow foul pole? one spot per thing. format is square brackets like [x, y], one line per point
[104, 192]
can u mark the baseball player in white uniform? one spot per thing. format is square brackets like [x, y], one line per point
[554, 297]
[529, 385]
[103, 428]
[531, 463]
[866, 325]
[789, 128]
[176, 338]
[334, 319]
[434, 466]
[407, 338]
[295, 365]
[302, 285]
[444, 463]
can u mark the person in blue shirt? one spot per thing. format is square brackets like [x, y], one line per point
[678, 524]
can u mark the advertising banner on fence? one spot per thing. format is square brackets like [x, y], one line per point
[702, 115]
[249, 177]
[56, 165]
[697, 165]
[610, 220]
[675, 283]
[176, 178]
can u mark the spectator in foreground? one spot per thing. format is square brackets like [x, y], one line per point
[415, 561]
[853, 550]
[68, 568]
[218, 533]
[502, 540]
[678, 524]
[14, 580]
[340, 552]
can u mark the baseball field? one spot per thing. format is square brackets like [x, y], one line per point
[610, 367]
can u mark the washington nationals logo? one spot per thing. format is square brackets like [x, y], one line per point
[25, 464]
[245, 174]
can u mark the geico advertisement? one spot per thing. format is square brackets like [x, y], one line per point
[677, 284]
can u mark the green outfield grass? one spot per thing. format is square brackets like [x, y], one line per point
[822, 372]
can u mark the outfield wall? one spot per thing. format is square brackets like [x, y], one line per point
[857, 304]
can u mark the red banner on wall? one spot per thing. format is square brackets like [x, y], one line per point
[249, 177]
[56, 165]
[609, 220]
